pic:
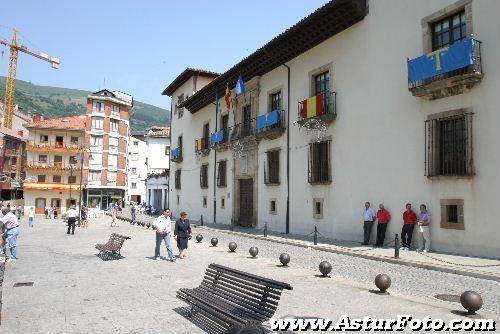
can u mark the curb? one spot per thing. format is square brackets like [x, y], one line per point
[446, 269]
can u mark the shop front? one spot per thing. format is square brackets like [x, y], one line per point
[103, 198]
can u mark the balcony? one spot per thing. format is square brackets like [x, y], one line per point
[54, 147]
[271, 125]
[219, 140]
[244, 131]
[53, 166]
[51, 186]
[176, 154]
[322, 107]
[11, 151]
[448, 71]
[202, 146]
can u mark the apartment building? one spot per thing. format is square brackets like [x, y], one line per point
[54, 163]
[344, 108]
[13, 156]
[106, 137]
[137, 169]
[158, 165]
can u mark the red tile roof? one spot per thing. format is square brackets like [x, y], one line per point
[73, 122]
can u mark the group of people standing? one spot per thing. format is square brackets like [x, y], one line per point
[163, 231]
[410, 219]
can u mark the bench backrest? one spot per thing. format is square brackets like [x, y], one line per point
[258, 295]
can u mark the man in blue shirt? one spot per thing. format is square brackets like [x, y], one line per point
[369, 217]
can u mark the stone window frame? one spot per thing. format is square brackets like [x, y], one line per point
[313, 73]
[427, 22]
[444, 203]
[274, 91]
[271, 211]
[322, 208]
[432, 151]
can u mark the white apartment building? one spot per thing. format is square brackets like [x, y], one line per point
[137, 169]
[401, 101]
[158, 159]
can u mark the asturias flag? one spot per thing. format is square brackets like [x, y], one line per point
[240, 86]
[227, 97]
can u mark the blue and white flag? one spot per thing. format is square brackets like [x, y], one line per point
[240, 86]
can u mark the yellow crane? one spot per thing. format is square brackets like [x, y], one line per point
[11, 77]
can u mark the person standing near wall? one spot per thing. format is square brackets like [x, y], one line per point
[369, 218]
[72, 215]
[409, 220]
[424, 220]
[383, 217]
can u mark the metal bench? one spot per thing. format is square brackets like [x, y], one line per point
[113, 245]
[233, 298]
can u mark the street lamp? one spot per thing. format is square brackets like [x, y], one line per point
[79, 158]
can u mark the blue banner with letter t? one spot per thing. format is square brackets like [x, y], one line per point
[447, 59]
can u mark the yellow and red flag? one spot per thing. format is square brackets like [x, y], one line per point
[311, 107]
[227, 97]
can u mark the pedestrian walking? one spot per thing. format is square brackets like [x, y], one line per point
[132, 213]
[183, 234]
[409, 220]
[163, 226]
[83, 217]
[11, 232]
[114, 213]
[424, 220]
[383, 218]
[31, 216]
[46, 212]
[72, 215]
[369, 217]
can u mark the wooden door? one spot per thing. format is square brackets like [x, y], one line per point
[246, 203]
[40, 204]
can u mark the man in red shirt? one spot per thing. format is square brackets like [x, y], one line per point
[383, 217]
[409, 220]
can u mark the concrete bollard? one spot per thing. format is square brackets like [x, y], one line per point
[315, 235]
[201, 220]
[265, 230]
[396, 247]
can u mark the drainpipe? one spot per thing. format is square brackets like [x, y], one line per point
[169, 156]
[215, 155]
[287, 219]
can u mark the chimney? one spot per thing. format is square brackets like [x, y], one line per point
[20, 133]
[37, 118]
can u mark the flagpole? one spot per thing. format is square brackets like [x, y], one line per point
[215, 154]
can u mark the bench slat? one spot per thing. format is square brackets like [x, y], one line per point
[259, 288]
[255, 277]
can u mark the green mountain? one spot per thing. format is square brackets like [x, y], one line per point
[57, 102]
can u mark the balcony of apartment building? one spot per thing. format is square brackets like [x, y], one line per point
[244, 131]
[321, 107]
[176, 154]
[61, 186]
[202, 146]
[449, 70]
[45, 165]
[270, 125]
[55, 146]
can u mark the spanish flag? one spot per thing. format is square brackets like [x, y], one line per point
[228, 97]
[311, 107]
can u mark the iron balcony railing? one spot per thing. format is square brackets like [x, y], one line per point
[244, 129]
[475, 68]
[201, 144]
[271, 121]
[324, 103]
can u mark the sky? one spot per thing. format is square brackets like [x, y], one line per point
[139, 47]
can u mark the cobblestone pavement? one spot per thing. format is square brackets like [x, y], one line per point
[74, 291]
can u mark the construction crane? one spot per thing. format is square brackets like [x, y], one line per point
[11, 77]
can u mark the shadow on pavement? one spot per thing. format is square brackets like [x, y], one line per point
[106, 256]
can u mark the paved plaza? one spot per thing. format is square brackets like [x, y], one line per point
[74, 291]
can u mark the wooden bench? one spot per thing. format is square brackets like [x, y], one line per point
[113, 245]
[233, 298]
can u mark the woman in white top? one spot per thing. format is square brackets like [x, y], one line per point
[31, 217]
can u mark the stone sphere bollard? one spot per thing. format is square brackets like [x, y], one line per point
[325, 268]
[284, 259]
[253, 251]
[199, 238]
[383, 282]
[471, 301]
[232, 246]
[214, 242]
[143, 223]
[148, 225]
[153, 227]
